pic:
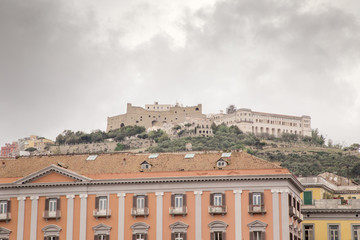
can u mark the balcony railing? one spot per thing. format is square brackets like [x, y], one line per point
[52, 214]
[218, 209]
[5, 216]
[178, 210]
[140, 211]
[332, 204]
[102, 213]
[257, 209]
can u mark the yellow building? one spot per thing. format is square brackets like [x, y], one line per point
[331, 208]
[36, 142]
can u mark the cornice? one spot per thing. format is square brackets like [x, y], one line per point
[286, 177]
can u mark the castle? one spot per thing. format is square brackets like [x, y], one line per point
[161, 115]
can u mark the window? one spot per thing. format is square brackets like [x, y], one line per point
[178, 204]
[52, 208]
[4, 210]
[178, 231]
[257, 230]
[140, 205]
[256, 203]
[102, 232]
[217, 199]
[3, 207]
[257, 235]
[307, 198]
[356, 232]
[140, 231]
[308, 232]
[334, 232]
[51, 232]
[256, 199]
[221, 163]
[4, 233]
[218, 230]
[101, 207]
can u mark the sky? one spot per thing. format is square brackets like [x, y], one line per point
[68, 65]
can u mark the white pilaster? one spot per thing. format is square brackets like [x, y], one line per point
[121, 222]
[159, 214]
[70, 217]
[198, 215]
[83, 209]
[237, 214]
[276, 213]
[284, 213]
[34, 214]
[21, 216]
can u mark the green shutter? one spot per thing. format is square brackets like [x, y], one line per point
[307, 198]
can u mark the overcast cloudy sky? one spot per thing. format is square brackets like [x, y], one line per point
[71, 64]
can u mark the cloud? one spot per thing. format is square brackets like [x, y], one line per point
[70, 65]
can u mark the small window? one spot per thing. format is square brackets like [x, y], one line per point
[334, 232]
[221, 163]
[153, 155]
[3, 208]
[52, 208]
[92, 157]
[256, 199]
[307, 198]
[217, 199]
[257, 235]
[309, 232]
[356, 232]
[228, 154]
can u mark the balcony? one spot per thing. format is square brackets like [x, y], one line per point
[217, 210]
[136, 212]
[5, 216]
[257, 209]
[292, 211]
[178, 211]
[102, 213]
[52, 214]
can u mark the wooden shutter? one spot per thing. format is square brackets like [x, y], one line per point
[184, 201]
[134, 201]
[224, 236]
[251, 235]
[289, 196]
[172, 200]
[172, 236]
[262, 235]
[211, 199]
[95, 237]
[47, 204]
[223, 203]
[97, 203]
[58, 204]
[250, 202]
[45, 238]
[134, 235]
[107, 237]
[212, 236]
[146, 202]
[145, 235]
[9, 206]
[262, 200]
[56, 238]
[184, 236]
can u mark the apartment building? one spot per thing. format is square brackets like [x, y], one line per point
[9, 149]
[331, 208]
[178, 196]
[265, 123]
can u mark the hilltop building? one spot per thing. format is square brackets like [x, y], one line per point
[331, 208]
[154, 115]
[217, 196]
[265, 123]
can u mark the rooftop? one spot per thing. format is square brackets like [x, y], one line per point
[127, 165]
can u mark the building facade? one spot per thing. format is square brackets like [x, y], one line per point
[331, 208]
[198, 196]
[153, 115]
[9, 149]
[265, 123]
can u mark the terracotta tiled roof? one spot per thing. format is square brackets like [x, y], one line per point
[119, 165]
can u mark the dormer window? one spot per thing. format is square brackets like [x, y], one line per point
[145, 165]
[221, 163]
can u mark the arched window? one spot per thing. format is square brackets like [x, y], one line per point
[102, 232]
[4, 233]
[179, 231]
[140, 231]
[218, 230]
[51, 232]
